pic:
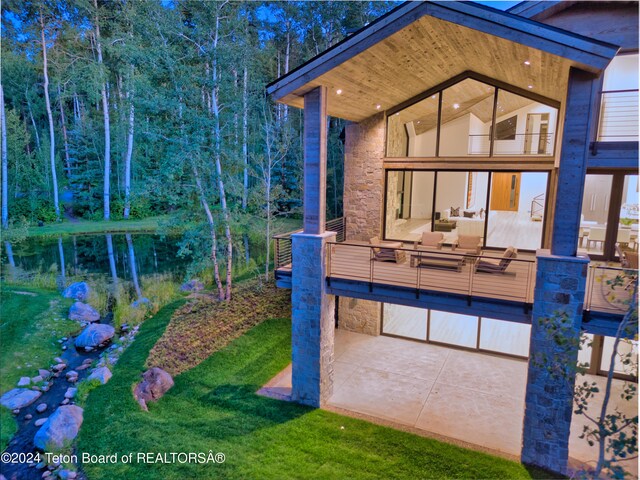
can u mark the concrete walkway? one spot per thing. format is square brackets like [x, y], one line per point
[473, 397]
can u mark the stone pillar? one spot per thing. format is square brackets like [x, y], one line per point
[313, 321]
[559, 293]
[315, 160]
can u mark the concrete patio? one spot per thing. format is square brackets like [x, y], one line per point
[463, 396]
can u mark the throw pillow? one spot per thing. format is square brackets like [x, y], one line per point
[455, 212]
[469, 214]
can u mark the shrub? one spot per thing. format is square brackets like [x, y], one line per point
[84, 389]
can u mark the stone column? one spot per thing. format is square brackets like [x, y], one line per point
[313, 321]
[558, 297]
[363, 206]
[313, 311]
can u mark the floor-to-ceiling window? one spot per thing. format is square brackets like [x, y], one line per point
[508, 206]
[609, 219]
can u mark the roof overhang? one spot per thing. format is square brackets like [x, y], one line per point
[421, 44]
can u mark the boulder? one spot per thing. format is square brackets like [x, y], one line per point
[94, 335]
[37, 379]
[103, 374]
[24, 382]
[60, 429]
[44, 373]
[19, 398]
[71, 392]
[155, 383]
[79, 291]
[83, 313]
[41, 408]
[192, 286]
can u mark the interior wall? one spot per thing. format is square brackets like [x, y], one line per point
[452, 190]
[393, 203]
[396, 138]
[422, 195]
[531, 185]
[454, 137]
[513, 147]
[479, 191]
[423, 145]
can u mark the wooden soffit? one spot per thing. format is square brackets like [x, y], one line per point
[422, 44]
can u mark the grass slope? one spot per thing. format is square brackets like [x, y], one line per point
[214, 407]
[31, 322]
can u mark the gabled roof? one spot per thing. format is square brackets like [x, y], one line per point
[533, 9]
[407, 41]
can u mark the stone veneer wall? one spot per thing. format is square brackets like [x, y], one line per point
[560, 289]
[363, 197]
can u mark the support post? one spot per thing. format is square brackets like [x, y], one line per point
[581, 92]
[313, 310]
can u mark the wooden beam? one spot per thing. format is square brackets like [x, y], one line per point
[315, 160]
[573, 162]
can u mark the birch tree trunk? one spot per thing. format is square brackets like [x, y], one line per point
[65, 140]
[52, 137]
[5, 164]
[127, 160]
[215, 104]
[245, 137]
[107, 131]
[133, 266]
[33, 121]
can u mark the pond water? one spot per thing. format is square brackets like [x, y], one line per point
[128, 258]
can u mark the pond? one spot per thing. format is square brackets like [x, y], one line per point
[126, 259]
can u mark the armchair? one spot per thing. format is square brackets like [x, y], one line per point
[483, 266]
[430, 241]
[387, 251]
[471, 244]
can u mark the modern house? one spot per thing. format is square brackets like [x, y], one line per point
[491, 182]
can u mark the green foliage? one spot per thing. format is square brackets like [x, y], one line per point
[84, 389]
[8, 427]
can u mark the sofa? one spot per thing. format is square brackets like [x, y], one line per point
[465, 225]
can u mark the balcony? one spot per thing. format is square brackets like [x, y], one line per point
[618, 116]
[455, 282]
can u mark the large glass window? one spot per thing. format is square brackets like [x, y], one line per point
[457, 122]
[619, 102]
[409, 204]
[404, 321]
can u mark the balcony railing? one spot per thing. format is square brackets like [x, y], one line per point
[609, 289]
[618, 116]
[520, 144]
[434, 271]
[282, 250]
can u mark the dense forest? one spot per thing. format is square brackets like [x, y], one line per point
[117, 109]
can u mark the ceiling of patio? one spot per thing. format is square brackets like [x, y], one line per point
[424, 54]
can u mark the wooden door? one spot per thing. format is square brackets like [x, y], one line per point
[505, 191]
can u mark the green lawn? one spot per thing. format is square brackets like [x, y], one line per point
[214, 407]
[97, 226]
[31, 322]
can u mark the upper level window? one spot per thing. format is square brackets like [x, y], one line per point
[619, 103]
[457, 122]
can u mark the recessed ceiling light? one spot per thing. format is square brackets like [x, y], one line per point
[530, 86]
[339, 91]
[527, 62]
[433, 96]
[456, 106]
[378, 107]
[418, 121]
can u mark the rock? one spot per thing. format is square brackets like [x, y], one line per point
[83, 313]
[37, 379]
[192, 286]
[41, 408]
[88, 349]
[60, 429]
[19, 398]
[58, 360]
[41, 465]
[87, 361]
[67, 474]
[35, 387]
[64, 402]
[46, 474]
[28, 416]
[155, 383]
[94, 335]
[72, 373]
[44, 373]
[16, 411]
[103, 374]
[64, 347]
[79, 291]
[45, 388]
[59, 367]
[140, 302]
[71, 392]
[84, 366]
[24, 381]
[40, 421]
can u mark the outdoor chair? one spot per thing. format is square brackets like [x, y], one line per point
[483, 266]
[430, 241]
[596, 234]
[470, 244]
[387, 251]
